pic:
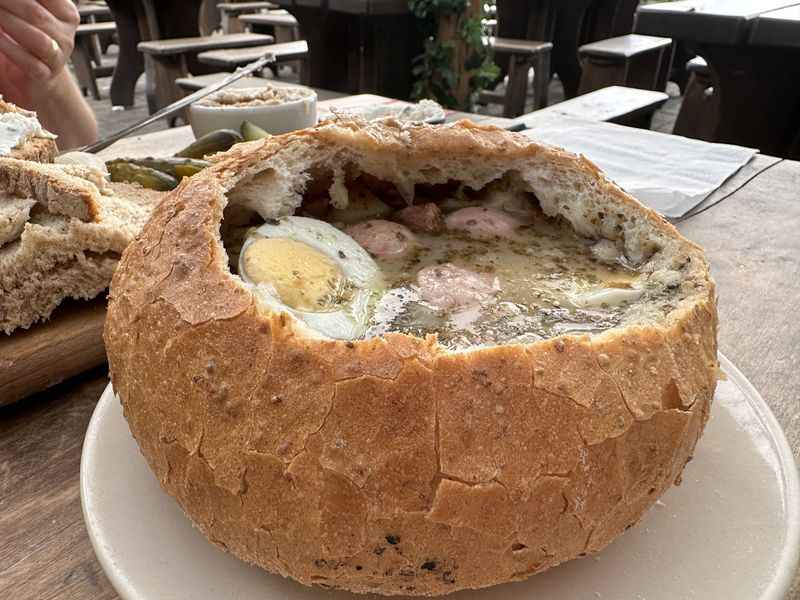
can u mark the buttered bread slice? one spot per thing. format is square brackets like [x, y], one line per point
[22, 136]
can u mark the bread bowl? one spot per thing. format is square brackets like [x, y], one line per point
[395, 463]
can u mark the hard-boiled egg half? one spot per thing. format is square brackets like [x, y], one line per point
[314, 271]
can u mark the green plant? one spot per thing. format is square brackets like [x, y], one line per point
[455, 63]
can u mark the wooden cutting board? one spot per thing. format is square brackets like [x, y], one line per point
[69, 343]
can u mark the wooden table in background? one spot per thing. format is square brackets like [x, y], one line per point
[755, 67]
[358, 46]
[568, 24]
[750, 238]
[141, 20]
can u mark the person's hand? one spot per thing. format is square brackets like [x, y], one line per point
[36, 40]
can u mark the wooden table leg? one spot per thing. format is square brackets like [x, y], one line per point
[162, 71]
[97, 48]
[231, 23]
[326, 34]
[82, 63]
[541, 79]
[612, 18]
[570, 35]
[517, 88]
[525, 20]
[130, 62]
[354, 54]
[794, 149]
[759, 96]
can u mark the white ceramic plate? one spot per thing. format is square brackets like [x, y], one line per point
[730, 531]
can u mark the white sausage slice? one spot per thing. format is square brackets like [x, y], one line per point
[383, 239]
[449, 287]
[422, 217]
[483, 223]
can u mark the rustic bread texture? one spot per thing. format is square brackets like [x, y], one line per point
[38, 149]
[47, 256]
[69, 190]
[391, 465]
[14, 213]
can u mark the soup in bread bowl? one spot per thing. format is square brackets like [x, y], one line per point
[411, 359]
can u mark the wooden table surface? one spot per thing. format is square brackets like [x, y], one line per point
[754, 65]
[751, 239]
[777, 28]
[708, 21]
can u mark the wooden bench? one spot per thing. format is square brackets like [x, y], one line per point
[86, 60]
[699, 114]
[231, 11]
[281, 24]
[94, 13]
[524, 55]
[229, 60]
[166, 60]
[614, 104]
[633, 60]
[90, 12]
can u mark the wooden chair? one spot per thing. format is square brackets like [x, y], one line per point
[93, 13]
[281, 24]
[87, 60]
[523, 54]
[229, 60]
[699, 114]
[166, 61]
[614, 104]
[232, 11]
[632, 60]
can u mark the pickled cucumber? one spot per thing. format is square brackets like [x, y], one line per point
[177, 167]
[210, 143]
[251, 132]
[123, 171]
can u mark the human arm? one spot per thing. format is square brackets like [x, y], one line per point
[36, 39]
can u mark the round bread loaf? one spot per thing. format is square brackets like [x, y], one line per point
[391, 464]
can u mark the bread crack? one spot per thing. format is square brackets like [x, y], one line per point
[619, 389]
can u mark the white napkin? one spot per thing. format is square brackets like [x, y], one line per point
[668, 173]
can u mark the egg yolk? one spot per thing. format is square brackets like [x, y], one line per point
[304, 278]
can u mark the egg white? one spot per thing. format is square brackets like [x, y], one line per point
[358, 267]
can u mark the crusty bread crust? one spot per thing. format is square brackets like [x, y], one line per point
[392, 465]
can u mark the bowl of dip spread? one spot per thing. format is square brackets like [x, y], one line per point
[274, 109]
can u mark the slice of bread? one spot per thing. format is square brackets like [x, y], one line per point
[38, 148]
[62, 231]
[14, 213]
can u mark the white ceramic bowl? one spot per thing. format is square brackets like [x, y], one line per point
[295, 108]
